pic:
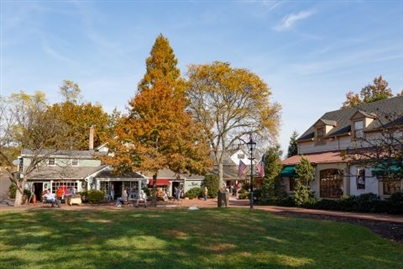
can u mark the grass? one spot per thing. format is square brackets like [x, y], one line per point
[206, 238]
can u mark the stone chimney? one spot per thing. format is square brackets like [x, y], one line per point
[91, 142]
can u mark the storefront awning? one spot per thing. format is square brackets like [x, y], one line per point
[160, 182]
[288, 171]
[383, 169]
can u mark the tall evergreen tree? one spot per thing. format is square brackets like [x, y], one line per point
[293, 147]
[303, 193]
[273, 190]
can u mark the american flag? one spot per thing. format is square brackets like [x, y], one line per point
[260, 168]
[241, 168]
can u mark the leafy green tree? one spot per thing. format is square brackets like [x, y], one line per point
[230, 103]
[370, 93]
[293, 147]
[303, 193]
[273, 189]
[71, 92]
[158, 132]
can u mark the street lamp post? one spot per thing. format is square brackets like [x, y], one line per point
[251, 146]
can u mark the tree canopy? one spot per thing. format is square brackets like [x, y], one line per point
[26, 124]
[368, 94]
[158, 132]
[162, 65]
[70, 91]
[230, 103]
[79, 118]
[29, 122]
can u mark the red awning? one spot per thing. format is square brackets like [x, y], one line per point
[160, 182]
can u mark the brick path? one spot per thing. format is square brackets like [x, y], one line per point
[212, 203]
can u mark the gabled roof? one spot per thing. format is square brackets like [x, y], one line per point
[316, 158]
[343, 117]
[60, 173]
[61, 153]
[108, 173]
[327, 122]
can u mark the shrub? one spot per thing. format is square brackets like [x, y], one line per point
[395, 203]
[257, 195]
[346, 203]
[195, 192]
[326, 204]
[211, 182]
[12, 190]
[147, 191]
[303, 195]
[287, 201]
[95, 196]
[242, 191]
[366, 202]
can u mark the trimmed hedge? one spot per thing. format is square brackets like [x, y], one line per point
[365, 203]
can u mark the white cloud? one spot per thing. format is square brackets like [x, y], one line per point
[271, 5]
[54, 54]
[291, 19]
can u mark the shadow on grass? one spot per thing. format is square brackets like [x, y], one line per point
[208, 238]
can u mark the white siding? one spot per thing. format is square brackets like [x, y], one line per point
[371, 183]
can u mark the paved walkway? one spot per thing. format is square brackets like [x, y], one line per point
[212, 203]
[246, 204]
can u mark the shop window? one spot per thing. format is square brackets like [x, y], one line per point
[391, 186]
[360, 179]
[66, 184]
[331, 183]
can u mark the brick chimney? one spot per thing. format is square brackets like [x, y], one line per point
[91, 142]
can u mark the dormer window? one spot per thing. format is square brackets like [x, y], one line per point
[359, 129]
[51, 161]
[320, 136]
[323, 127]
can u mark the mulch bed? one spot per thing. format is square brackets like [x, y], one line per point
[389, 230]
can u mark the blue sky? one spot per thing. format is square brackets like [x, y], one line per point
[310, 53]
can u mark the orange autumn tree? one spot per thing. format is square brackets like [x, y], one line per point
[79, 117]
[158, 132]
[368, 94]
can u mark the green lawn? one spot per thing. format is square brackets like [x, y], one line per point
[207, 238]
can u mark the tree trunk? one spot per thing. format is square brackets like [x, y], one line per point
[221, 175]
[154, 194]
[19, 194]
